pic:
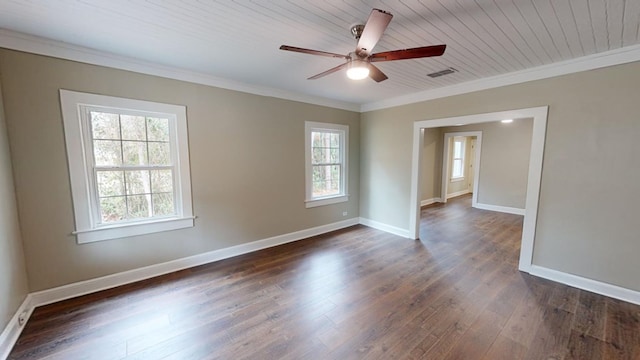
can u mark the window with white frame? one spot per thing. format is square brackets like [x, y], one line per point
[128, 166]
[326, 153]
[457, 162]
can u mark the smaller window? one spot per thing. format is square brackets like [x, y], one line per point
[326, 149]
[457, 163]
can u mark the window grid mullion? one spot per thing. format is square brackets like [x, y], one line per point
[96, 191]
[327, 164]
[95, 207]
[124, 173]
[134, 168]
[146, 138]
[174, 160]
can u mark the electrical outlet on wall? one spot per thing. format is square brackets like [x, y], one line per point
[344, 213]
[22, 318]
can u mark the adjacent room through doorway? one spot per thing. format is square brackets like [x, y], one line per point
[497, 194]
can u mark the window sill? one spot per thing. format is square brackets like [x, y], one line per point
[326, 201]
[457, 179]
[126, 230]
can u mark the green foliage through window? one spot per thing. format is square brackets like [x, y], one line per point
[326, 163]
[133, 166]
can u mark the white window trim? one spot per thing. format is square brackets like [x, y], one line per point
[81, 176]
[310, 201]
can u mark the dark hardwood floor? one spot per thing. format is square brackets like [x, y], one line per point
[357, 293]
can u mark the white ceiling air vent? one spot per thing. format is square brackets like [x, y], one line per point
[442, 72]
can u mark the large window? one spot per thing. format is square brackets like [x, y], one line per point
[326, 150]
[457, 163]
[129, 166]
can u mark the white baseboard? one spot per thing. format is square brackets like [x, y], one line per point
[110, 281]
[457, 193]
[598, 287]
[504, 209]
[426, 202]
[13, 329]
[386, 228]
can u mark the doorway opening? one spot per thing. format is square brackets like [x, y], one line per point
[461, 165]
[539, 115]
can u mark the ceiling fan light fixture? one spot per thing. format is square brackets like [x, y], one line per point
[357, 70]
[359, 63]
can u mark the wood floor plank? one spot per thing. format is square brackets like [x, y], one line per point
[552, 336]
[622, 333]
[590, 315]
[457, 310]
[479, 337]
[565, 298]
[503, 348]
[583, 346]
[509, 297]
[356, 293]
[529, 314]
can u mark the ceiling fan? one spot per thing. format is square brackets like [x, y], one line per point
[359, 63]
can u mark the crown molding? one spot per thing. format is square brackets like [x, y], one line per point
[37, 45]
[42, 46]
[595, 61]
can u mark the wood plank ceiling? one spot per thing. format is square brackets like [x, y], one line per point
[239, 40]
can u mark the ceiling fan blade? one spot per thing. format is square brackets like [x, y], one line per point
[312, 52]
[373, 29]
[330, 71]
[414, 53]
[376, 74]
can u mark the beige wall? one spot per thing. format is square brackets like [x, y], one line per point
[431, 166]
[504, 162]
[247, 167]
[585, 225]
[13, 275]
